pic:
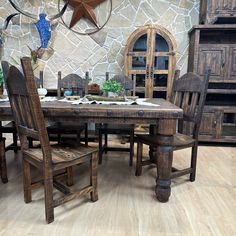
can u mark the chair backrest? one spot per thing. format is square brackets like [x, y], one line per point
[127, 83]
[39, 81]
[189, 92]
[5, 69]
[26, 107]
[72, 82]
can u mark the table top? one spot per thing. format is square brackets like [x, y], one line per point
[57, 110]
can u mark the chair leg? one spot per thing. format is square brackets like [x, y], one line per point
[78, 138]
[193, 162]
[70, 179]
[30, 143]
[48, 193]
[59, 139]
[105, 145]
[27, 181]
[15, 142]
[93, 177]
[100, 151]
[86, 134]
[131, 149]
[3, 164]
[139, 159]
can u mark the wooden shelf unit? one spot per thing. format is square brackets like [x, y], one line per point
[217, 11]
[214, 46]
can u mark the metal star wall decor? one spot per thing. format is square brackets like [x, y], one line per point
[84, 8]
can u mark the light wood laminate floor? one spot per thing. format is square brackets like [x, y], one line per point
[127, 204]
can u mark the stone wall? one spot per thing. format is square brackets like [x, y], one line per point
[103, 51]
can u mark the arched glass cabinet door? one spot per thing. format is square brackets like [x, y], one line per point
[150, 60]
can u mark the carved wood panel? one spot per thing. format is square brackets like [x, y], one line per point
[211, 10]
[215, 58]
[211, 124]
[232, 63]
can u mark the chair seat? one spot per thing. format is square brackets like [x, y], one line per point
[116, 129]
[62, 153]
[65, 128]
[180, 140]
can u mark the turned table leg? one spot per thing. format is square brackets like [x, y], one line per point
[164, 155]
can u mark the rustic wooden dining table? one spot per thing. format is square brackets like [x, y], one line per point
[162, 115]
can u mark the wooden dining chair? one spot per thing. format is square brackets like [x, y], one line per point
[189, 92]
[10, 128]
[39, 80]
[79, 87]
[106, 129]
[30, 122]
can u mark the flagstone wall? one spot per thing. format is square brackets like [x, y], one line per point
[100, 52]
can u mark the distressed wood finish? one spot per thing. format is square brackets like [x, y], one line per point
[101, 113]
[106, 129]
[112, 114]
[29, 120]
[214, 46]
[72, 82]
[8, 128]
[212, 11]
[150, 55]
[3, 165]
[189, 93]
[79, 86]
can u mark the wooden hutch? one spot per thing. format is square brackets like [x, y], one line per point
[214, 45]
[150, 59]
[215, 11]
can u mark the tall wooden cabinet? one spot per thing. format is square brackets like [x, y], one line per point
[214, 46]
[150, 59]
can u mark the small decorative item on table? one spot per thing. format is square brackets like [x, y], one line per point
[42, 92]
[112, 87]
[93, 88]
[71, 95]
[68, 93]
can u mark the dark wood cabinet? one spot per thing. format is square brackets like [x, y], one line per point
[218, 124]
[150, 59]
[213, 56]
[217, 11]
[214, 46]
[211, 124]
